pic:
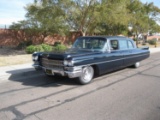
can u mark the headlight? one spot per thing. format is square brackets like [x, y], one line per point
[68, 62]
[65, 62]
[34, 58]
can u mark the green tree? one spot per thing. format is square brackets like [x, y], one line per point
[108, 17]
[47, 16]
[64, 15]
[81, 15]
[113, 17]
[142, 16]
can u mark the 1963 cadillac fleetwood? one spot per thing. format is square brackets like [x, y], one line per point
[92, 55]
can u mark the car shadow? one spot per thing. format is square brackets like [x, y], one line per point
[30, 77]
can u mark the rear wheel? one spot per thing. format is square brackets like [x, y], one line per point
[137, 64]
[87, 75]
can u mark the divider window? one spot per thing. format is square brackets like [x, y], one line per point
[123, 44]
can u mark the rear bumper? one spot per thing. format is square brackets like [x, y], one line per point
[71, 72]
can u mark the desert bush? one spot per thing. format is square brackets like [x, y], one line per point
[38, 48]
[60, 47]
[45, 48]
[57, 43]
[30, 49]
[152, 42]
[24, 44]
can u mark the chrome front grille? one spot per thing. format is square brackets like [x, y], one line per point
[52, 64]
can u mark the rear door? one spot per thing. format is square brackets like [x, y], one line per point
[127, 48]
[113, 59]
[116, 55]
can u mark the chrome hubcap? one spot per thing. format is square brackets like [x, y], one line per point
[137, 64]
[87, 74]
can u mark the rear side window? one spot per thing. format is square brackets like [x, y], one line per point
[123, 44]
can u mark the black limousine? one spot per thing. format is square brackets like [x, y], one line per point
[91, 55]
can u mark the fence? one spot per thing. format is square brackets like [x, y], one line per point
[12, 38]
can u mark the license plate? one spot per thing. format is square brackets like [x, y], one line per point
[48, 71]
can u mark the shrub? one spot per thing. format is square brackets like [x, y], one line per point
[47, 48]
[23, 44]
[38, 48]
[152, 42]
[30, 49]
[57, 43]
[60, 47]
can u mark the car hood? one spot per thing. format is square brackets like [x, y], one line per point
[71, 53]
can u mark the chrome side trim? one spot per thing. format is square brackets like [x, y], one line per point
[111, 60]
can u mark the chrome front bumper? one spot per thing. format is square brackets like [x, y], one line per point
[71, 72]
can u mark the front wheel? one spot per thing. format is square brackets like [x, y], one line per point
[87, 75]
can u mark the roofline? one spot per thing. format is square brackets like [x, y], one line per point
[107, 37]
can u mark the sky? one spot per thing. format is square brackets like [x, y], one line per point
[13, 10]
[156, 2]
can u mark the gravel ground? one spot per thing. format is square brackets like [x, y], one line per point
[11, 52]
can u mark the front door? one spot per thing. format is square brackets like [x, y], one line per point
[112, 60]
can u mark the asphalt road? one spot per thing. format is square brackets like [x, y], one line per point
[127, 94]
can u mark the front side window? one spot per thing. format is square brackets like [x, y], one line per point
[114, 44]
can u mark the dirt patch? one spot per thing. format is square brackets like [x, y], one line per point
[11, 56]
[11, 52]
[13, 60]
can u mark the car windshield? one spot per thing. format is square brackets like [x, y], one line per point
[87, 43]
